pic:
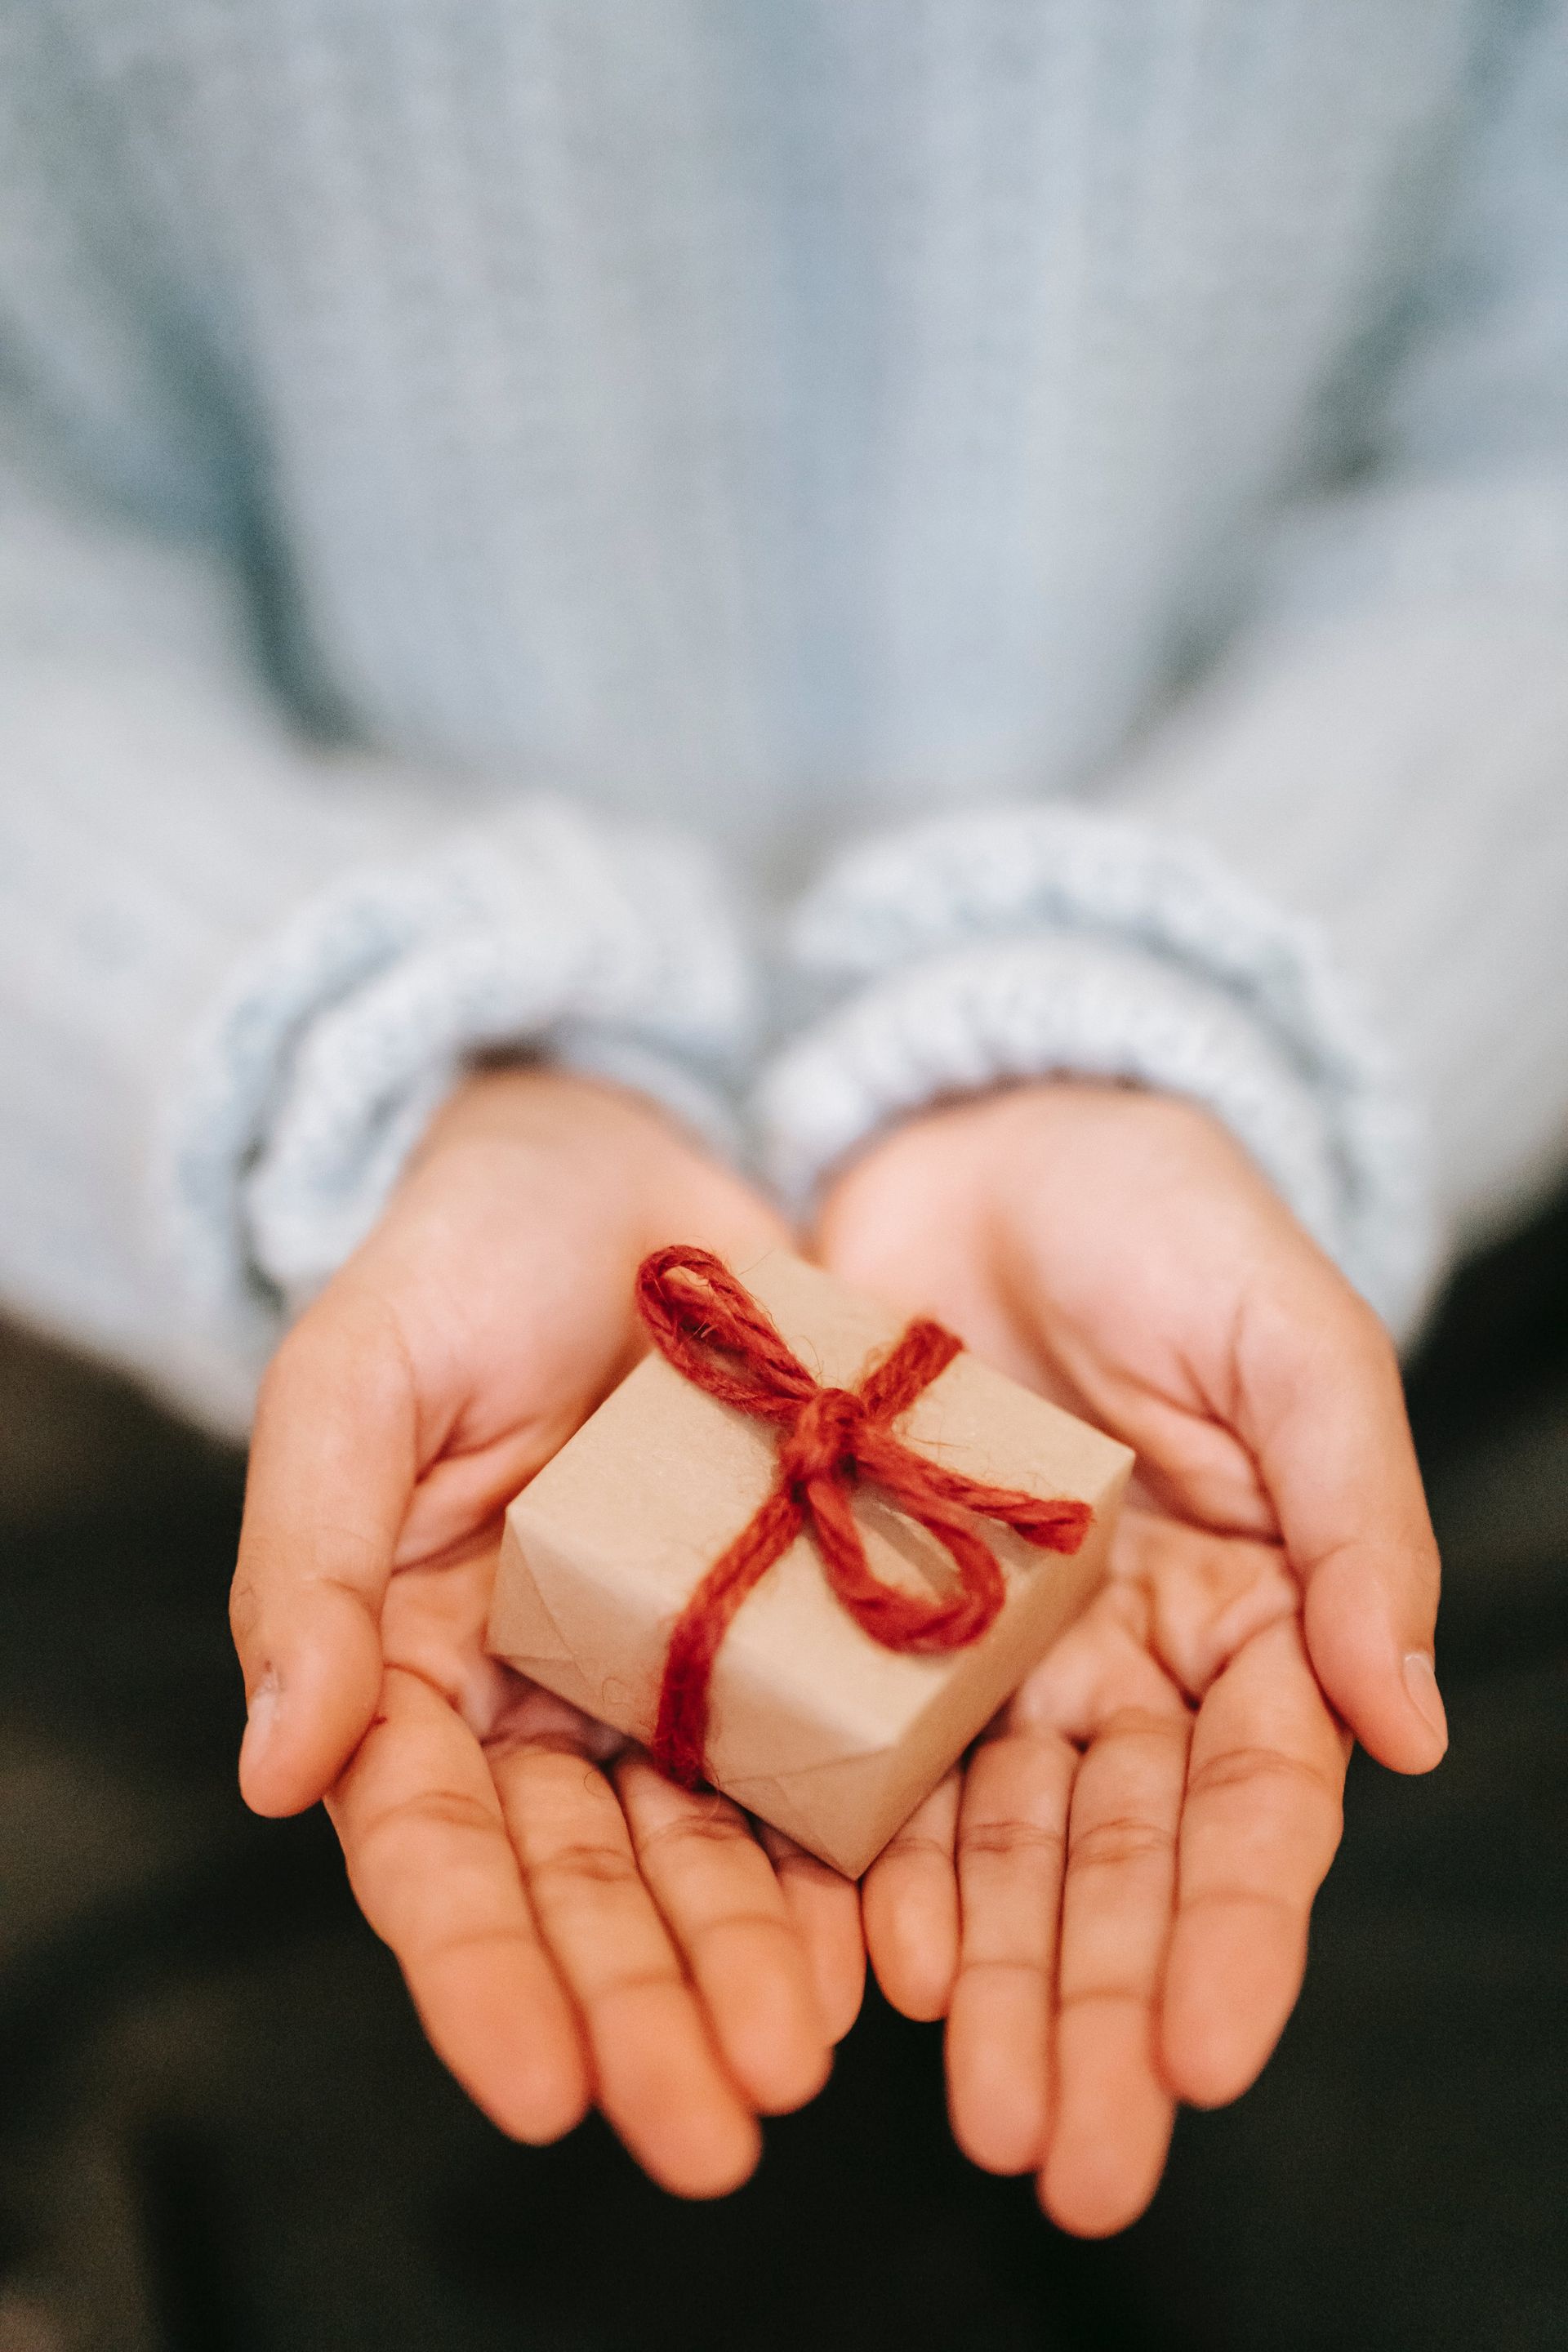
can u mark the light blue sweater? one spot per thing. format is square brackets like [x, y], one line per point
[805, 552]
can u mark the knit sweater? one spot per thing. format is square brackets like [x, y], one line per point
[805, 553]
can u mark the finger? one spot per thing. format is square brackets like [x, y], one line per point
[1112, 2116]
[1259, 1828]
[332, 1468]
[1324, 1408]
[657, 2077]
[1011, 1837]
[910, 1904]
[434, 1872]
[825, 1908]
[726, 1912]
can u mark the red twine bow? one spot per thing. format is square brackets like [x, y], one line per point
[714, 1332]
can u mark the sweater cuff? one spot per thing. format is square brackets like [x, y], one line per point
[315, 1074]
[970, 952]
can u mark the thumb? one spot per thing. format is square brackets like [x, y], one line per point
[332, 1470]
[1325, 1415]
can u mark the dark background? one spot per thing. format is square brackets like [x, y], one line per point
[220, 2131]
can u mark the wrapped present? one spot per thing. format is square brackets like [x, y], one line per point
[804, 1552]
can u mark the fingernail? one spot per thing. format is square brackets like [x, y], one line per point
[261, 1717]
[1421, 1682]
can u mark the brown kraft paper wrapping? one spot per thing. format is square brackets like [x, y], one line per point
[813, 1726]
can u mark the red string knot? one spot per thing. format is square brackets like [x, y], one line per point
[824, 1440]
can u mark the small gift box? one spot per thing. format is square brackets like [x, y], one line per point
[804, 1552]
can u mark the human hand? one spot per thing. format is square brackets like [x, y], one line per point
[570, 1926]
[1109, 1902]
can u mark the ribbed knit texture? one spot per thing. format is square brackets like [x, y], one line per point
[1079, 493]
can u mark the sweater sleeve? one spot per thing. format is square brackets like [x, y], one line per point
[238, 969]
[1327, 895]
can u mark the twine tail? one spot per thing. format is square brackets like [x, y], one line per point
[681, 1734]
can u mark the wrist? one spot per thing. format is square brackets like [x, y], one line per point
[974, 1173]
[528, 1104]
[606, 1146]
[975, 1139]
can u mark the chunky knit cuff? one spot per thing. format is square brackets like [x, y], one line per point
[314, 1076]
[1029, 942]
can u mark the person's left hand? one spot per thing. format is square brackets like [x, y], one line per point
[1109, 1901]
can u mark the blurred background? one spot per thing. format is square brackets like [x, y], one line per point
[221, 2128]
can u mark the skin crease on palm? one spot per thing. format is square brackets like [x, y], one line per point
[1109, 1902]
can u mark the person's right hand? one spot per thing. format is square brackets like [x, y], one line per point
[572, 1927]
